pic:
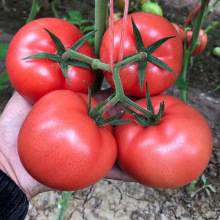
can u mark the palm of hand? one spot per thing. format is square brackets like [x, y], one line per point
[10, 124]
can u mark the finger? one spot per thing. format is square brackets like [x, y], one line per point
[15, 111]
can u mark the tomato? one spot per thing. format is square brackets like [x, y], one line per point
[170, 154]
[121, 4]
[152, 28]
[61, 146]
[34, 78]
[180, 31]
[216, 51]
[152, 8]
[202, 41]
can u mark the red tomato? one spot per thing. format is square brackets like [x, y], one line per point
[202, 41]
[61, 146]
[34, 78]
[152, 28]
[169, 155]
[180, 31]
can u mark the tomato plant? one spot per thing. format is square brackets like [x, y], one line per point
[170, 154]
[35, 77]
[152, 28]
[152, 8]
[61, 146]
[202, 39]
[180, 31]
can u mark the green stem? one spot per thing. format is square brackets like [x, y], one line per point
[211, 8]
[101, 9]
[119, 92]
[62, 207]
[54, 9]
[34, 10]
[188, 52]
[95, 63]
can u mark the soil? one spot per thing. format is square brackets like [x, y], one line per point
[111, 199]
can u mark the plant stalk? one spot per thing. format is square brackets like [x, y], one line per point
[62, 206]
[34, 10]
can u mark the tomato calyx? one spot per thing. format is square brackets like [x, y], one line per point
[147, 118]
[148, 50]
[61, 56]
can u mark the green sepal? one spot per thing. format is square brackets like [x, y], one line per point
[94, 111]
[106, 121]
[141, 72]
[148, 100]
[64, 68]
[60, 47]
[49, 56]
[138, 38]
[79, 64]
[160, 63]
[151, 48]
[82, 40]
[89, 95]
[121, 122]
[180, 83]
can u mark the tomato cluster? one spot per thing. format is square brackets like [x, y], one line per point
[62, 146]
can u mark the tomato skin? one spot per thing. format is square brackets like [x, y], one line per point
[61, 146]
[203, 39]
[152, 28]
[180, 31]
[152, 8]
[169, 155]
[34, 78]
[121, 4]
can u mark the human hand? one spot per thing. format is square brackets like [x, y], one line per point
[10, 123]
[11, 120]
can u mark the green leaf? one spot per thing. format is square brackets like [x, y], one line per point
[138, 38]
[49, 56]
[148, 100]
[203, 178]
[89, 96]
[89, 28]
[192, 188]
[141, 72]
[3, 50]
[180, 83]
[211, 188]
[160, 63]
[4, 77]
[78, 23]
[82, 40]
[84, 21]
[60, 47]
[208, 191]
[151, 48]
[75, 15]
[64, 68]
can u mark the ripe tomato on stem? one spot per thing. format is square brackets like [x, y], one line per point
[203, 39]
[33, 78]
[170, 154]
[61, 146]
[152, 28]
[180, 31]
